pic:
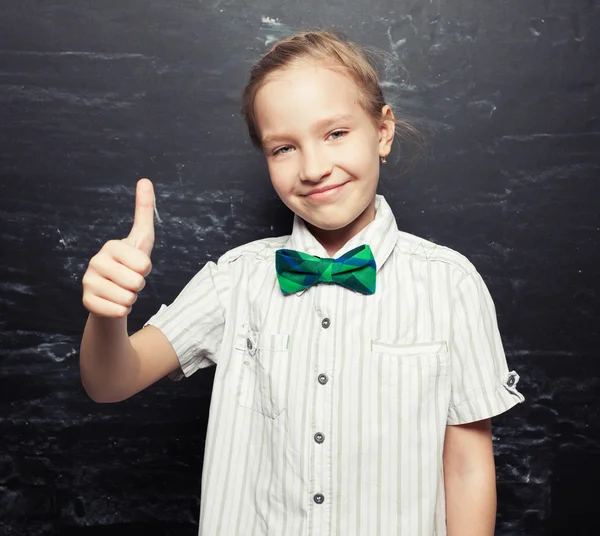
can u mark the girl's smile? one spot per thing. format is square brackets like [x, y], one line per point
[325, 193]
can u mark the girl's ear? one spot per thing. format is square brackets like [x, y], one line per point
[387, 128]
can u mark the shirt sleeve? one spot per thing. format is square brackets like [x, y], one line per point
[482, 385]
[194, 322]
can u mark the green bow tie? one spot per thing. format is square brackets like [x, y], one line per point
[354, 270]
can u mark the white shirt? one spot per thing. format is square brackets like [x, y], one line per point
[329, 407]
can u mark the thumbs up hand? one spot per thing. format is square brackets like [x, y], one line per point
[117, 272]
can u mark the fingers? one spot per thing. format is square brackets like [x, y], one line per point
[123, 264]
[129, 256]
[103, 297]
[142, 231]
[109, 291]
[104, 308]
[114, 277]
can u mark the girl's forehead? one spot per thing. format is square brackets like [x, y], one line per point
[307, 82]
[311, 68]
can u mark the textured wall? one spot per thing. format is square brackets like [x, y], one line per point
[94, 95]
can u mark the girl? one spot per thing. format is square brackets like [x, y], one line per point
[358, 365]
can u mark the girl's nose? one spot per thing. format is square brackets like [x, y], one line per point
[315, 166]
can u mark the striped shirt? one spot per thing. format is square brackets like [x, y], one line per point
[329, 407]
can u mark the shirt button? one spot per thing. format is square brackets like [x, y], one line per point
[326, 323]
[319, 498]
[323, 379]
[319, 437]
[249, 344]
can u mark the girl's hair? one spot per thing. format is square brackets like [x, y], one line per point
[339, 52]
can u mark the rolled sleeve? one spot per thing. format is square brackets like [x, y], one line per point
[194, 322]
[482, 385]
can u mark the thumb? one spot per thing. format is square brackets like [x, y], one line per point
[142, 231]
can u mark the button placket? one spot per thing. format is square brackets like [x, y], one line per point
[321, 427]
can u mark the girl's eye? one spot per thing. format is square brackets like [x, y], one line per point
[337, 134]
[282, 150]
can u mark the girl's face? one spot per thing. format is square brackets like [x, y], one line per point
[322, 148]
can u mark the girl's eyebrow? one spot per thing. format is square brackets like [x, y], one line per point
[316, 127]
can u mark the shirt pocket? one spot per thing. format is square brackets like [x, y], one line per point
[411, 365]
[263, 358]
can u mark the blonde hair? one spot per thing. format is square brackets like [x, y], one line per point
[335, 49]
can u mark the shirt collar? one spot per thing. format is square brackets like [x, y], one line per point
[381, 235]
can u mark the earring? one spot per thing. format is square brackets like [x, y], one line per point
[383, 160]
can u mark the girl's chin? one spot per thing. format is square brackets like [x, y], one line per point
[328, 225]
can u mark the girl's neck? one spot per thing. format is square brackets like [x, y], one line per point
[335, 240]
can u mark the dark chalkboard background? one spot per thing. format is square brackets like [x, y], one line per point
[94, 95]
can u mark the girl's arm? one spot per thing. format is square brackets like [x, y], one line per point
[470, 479]
[115, 366]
